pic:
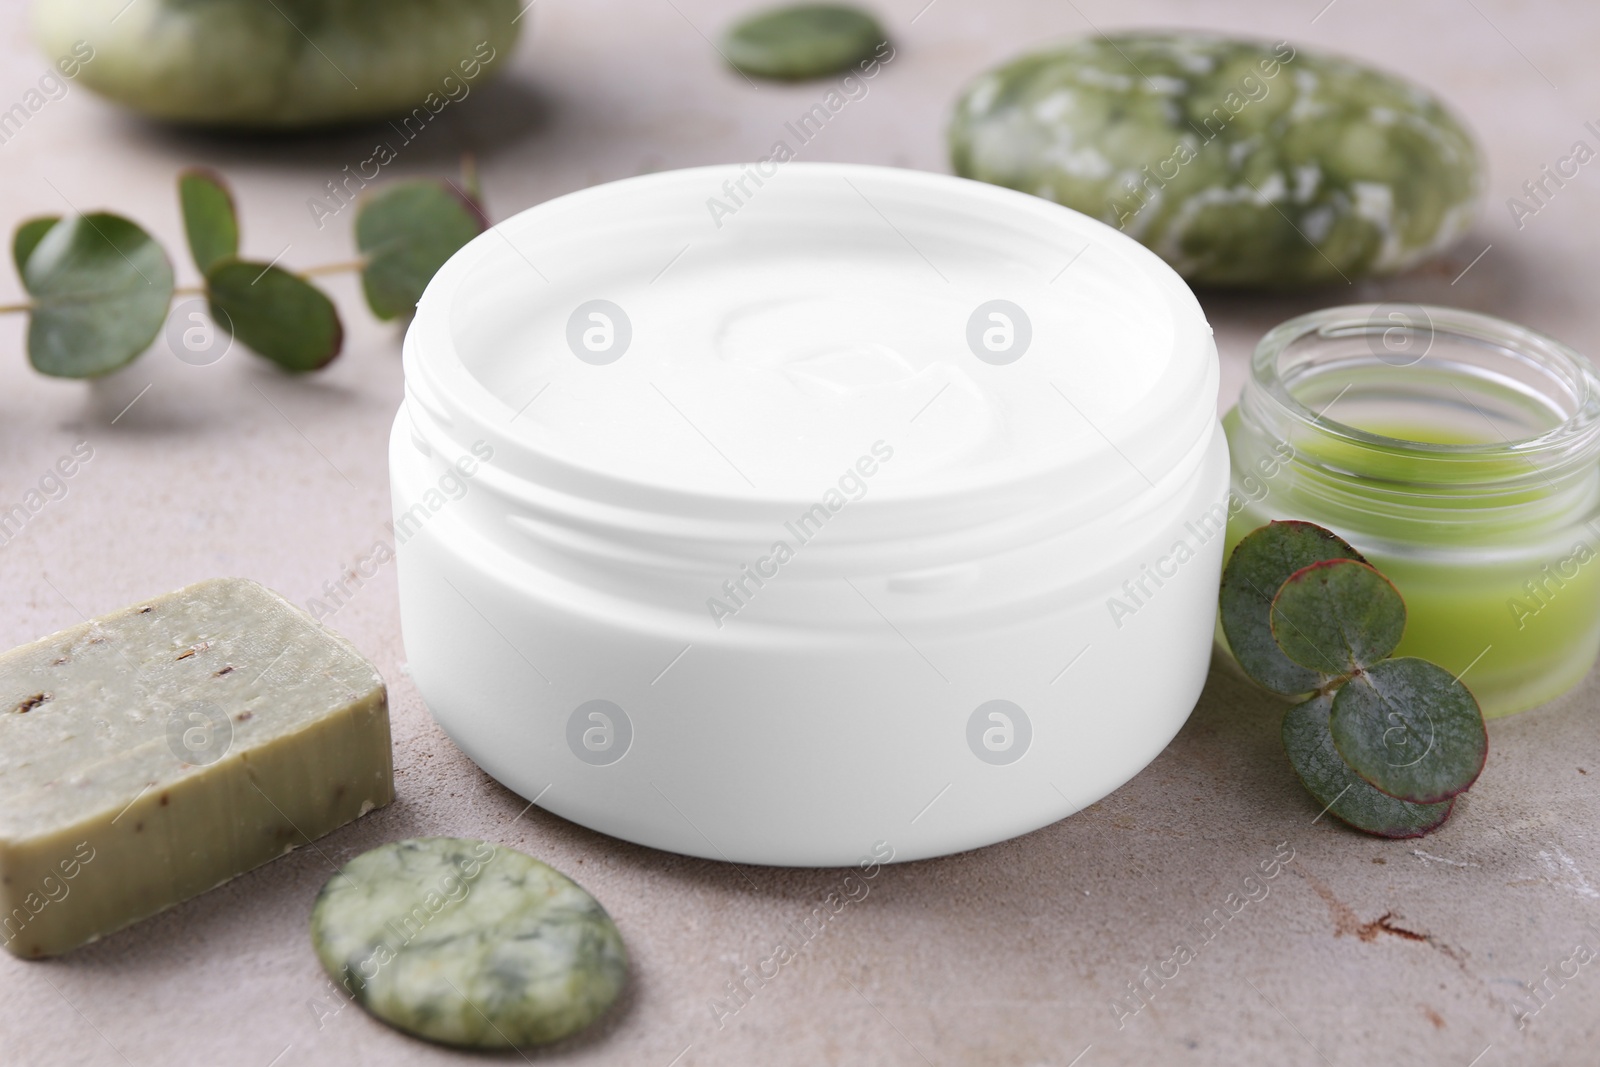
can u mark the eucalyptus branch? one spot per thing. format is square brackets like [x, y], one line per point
[1384, 743]
[347, 267]
[109, 286]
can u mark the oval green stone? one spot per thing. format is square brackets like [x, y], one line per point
[280, 63]
[468, 943]
[803, 41]
[1240, 163]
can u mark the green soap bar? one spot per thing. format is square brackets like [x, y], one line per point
[153, 753]
[802, 41]
[468, 943]
[1240, 163]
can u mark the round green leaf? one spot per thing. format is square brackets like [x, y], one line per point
[209, 220]
[100, 288]
[1337, 616]
[802, 41]
[1260, 564]
[27, 238]
[406, 232]
[1338, 789]
[1411, 729]
[280, 315]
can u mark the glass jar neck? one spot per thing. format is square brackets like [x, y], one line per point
[1402, 413]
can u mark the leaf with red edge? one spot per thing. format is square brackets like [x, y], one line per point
[1257, 569]
[209, 220]
[1326, 776]
[1411, 729]
[1337, 616]
[407, 231]
[277, 314]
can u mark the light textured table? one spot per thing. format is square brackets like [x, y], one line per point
[1362, 951]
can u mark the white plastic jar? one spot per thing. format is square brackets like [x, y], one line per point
[796, 513]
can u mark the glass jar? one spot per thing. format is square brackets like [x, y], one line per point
[1458, 453]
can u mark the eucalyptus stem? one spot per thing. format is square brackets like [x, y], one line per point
[335, 268]
[14, 309]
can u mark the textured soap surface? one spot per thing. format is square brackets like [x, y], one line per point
[468, 943]
[1238, 162]
[158, 751]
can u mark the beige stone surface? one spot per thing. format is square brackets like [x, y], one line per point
[1363, 951]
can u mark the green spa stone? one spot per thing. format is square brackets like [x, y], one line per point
[802, 41]
[467, 943]
[281, 64]
[1241, 163]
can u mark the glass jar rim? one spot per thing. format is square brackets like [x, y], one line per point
[1577, 435]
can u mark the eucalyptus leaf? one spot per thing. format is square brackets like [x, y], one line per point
[1335, 786]
[1257, 569]
[1337, 616]
[278, 314]
[1411, 729]
[26, 239]
[406, 232]
[209, 219]
[100, 288]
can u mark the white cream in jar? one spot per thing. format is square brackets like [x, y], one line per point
[848, 521]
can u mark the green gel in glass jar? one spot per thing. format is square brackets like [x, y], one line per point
[1461, 455]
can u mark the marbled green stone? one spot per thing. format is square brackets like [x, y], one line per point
[468, 943]
[803, 41]
[281, 64]
[1240, 163]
